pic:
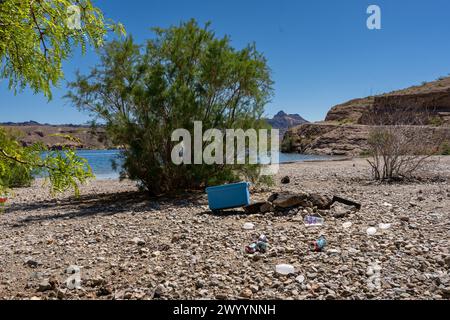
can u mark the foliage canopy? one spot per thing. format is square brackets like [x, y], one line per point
[184, 74]
[35, 38]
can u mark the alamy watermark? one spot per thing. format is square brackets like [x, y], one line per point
[374, 276]
[374, 20]
[227, 147]
[74, 280]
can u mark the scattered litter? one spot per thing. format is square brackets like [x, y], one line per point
[384, 226]
[311, 221]
[228, 196]
[250, 249]
[347, 202]
[319, 245]
[347, 225]
[387, 204]
[3, 200]
[300, 279]
[248, 226]
[259, 246]
[371, 231]
[285, 269]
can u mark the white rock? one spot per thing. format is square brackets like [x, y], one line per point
[138, 241]
[285, 269]
[371, 231]
[333, 251]
[384, 226]
[300, 279]
[347, 225]
[248, 226]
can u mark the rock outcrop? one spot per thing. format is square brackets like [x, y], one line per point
[345, 140]
[431, 99]
[328, 139]
[347, 126]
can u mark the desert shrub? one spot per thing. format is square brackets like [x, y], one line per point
[286, 143]
[63, 169]
[184, 74]
[436, 121]
[365, 154]
[16, 177]
[445, 149]
[345, 121]
[398, 152]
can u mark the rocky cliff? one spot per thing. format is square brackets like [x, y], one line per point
[53, 135]
[346, 140]
[431, 99]
[346, 127]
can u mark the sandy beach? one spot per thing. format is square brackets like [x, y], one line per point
[130, 247]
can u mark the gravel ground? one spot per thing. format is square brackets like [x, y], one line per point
[128, 247]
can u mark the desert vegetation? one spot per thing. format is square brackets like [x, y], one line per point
[34, 41]
[398, 148]
[184, 74]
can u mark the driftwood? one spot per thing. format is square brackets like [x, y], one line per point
[347, 202]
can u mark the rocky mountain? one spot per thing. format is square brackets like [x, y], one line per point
[53, 135]
[283, 121]
[346, 126]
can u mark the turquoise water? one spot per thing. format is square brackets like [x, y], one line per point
[101, 161]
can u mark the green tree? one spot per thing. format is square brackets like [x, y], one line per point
[36, 36]
[184, 74]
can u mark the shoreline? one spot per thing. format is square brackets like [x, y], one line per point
[129, 246]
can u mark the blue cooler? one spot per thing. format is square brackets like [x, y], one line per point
[228, 196]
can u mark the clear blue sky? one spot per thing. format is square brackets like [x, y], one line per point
[320, 51]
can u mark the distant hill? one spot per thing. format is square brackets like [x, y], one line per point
[284, 121]
[37, 124]
[32, 132]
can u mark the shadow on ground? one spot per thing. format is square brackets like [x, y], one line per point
[98, 205]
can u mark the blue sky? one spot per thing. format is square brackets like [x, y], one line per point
[320, 51]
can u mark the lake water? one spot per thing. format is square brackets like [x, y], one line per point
[101, 161]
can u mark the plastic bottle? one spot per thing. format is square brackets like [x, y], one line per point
[312, 221]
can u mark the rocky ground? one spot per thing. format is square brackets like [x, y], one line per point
[121, 245]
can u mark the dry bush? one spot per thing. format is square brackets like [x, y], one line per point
[399, 145]
[399, 152]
